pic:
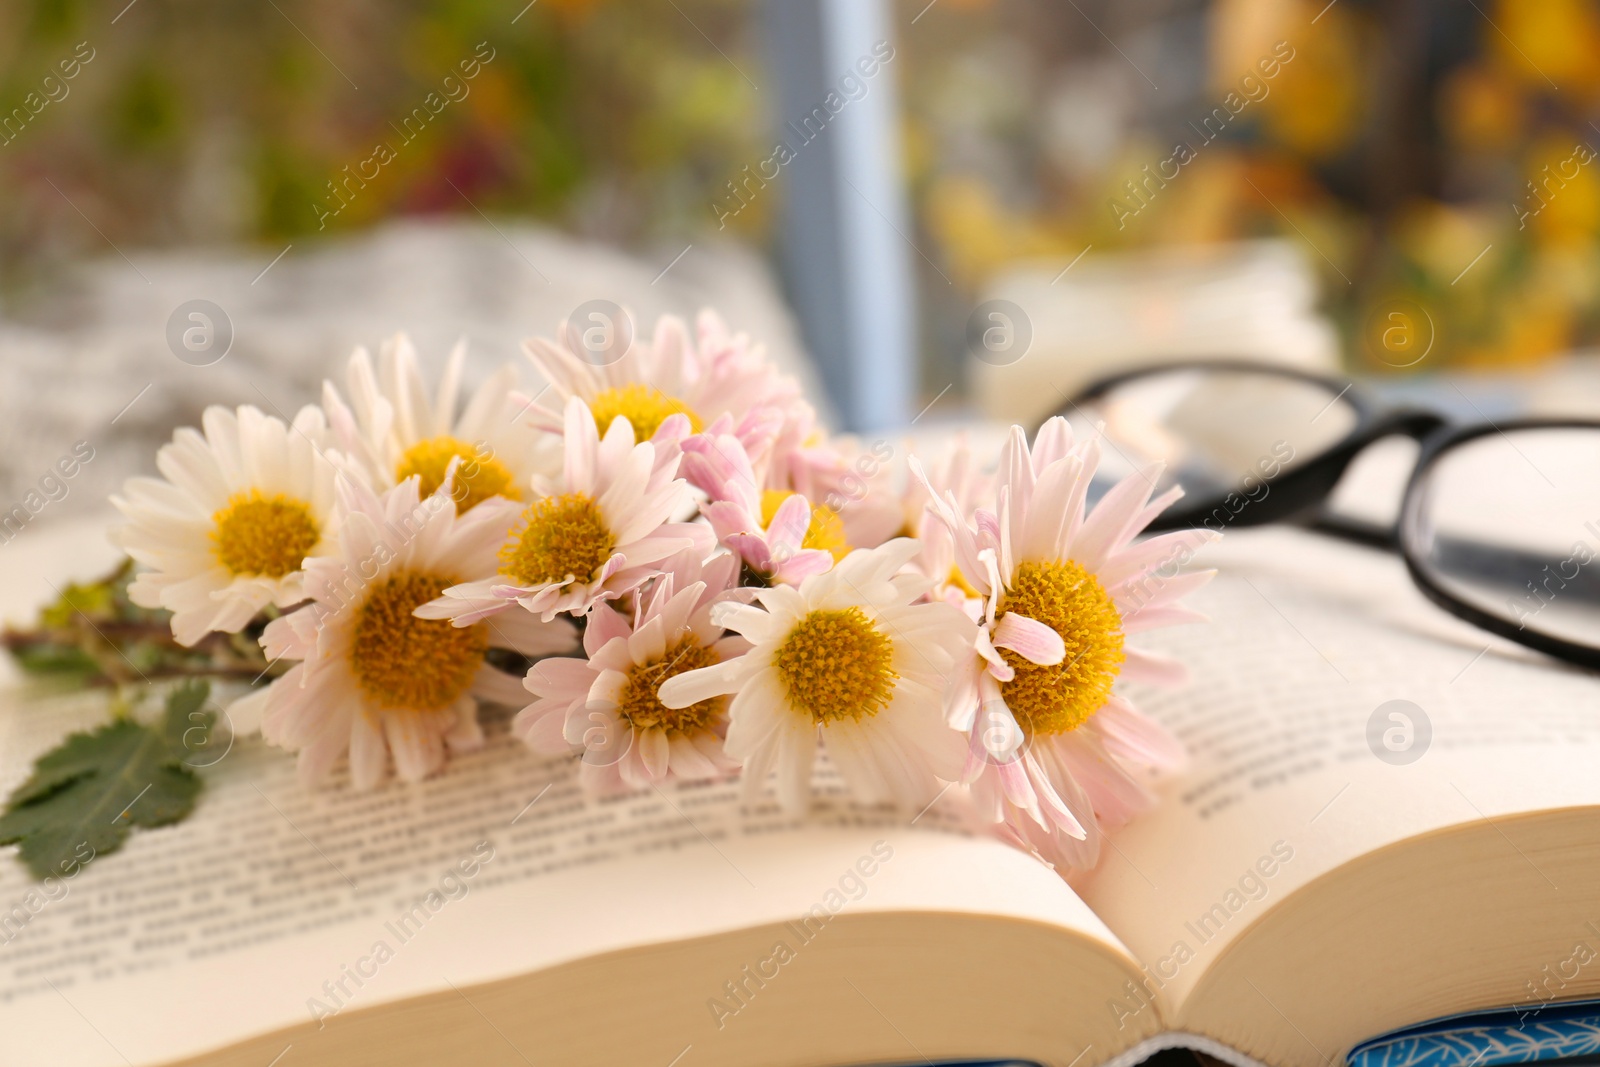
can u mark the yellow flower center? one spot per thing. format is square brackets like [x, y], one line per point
[644, 406]
[264, 536]
[1071, 601]
[824, 531]
[959, 581]
[643, 709]
[837, 665]
[405, 663]
[478, 478]
[560, 538]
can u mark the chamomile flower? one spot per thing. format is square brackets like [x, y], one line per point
[372, 679]
[847, 659]
[724, 377]
[395, 427]
[606, 704]
[1056, 755]
[227, 528]
[598, 532]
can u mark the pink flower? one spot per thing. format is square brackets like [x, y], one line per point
[958, 481]
[1055, 755]
[605, 704]
[373, 680]
[862, 485]
[599, 532]
[778, 535]
[667, 387]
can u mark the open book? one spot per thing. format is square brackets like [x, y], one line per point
[1294, 894]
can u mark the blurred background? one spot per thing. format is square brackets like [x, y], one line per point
[947, 207]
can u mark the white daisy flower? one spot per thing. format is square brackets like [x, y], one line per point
[598, 532]
[373, 679]
[724, 377]
[847, 659]
[1055, 754]
[606, 705]
[226, 530]
[394, 429]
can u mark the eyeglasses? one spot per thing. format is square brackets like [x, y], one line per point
[1499, 524]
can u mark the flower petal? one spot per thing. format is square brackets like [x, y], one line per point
[1030, 639]
[691, 687]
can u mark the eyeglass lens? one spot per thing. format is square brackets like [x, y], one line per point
[1219, 431]
[1509, 522]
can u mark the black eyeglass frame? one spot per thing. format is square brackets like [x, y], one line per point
[1298, 493]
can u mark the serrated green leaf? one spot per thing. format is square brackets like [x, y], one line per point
[87, 793]
[187, 724]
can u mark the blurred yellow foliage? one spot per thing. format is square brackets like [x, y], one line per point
[1535, 323]
[1565, 198]
[1441, 239]
[1211, 200]
[1547, 41]
[1338, 154]
[1316, 104]
[572, 10]
[1243, 31]
[1481, 109]
[979, 233]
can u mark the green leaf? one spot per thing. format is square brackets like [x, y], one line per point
[187, 725]
[58, 661]
[87, 793]
[94, 634]
[95, 600]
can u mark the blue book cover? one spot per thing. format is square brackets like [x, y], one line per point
[1484, 1039]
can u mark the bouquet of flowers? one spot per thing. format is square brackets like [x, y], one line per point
[678, 575]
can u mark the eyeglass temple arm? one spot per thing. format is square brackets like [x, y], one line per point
[1415, 423]
[1298, 494]
[1356, 531]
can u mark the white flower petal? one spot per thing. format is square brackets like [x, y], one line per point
[691, 687]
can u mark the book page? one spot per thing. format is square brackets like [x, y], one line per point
[1298, 763]
[276, 905]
